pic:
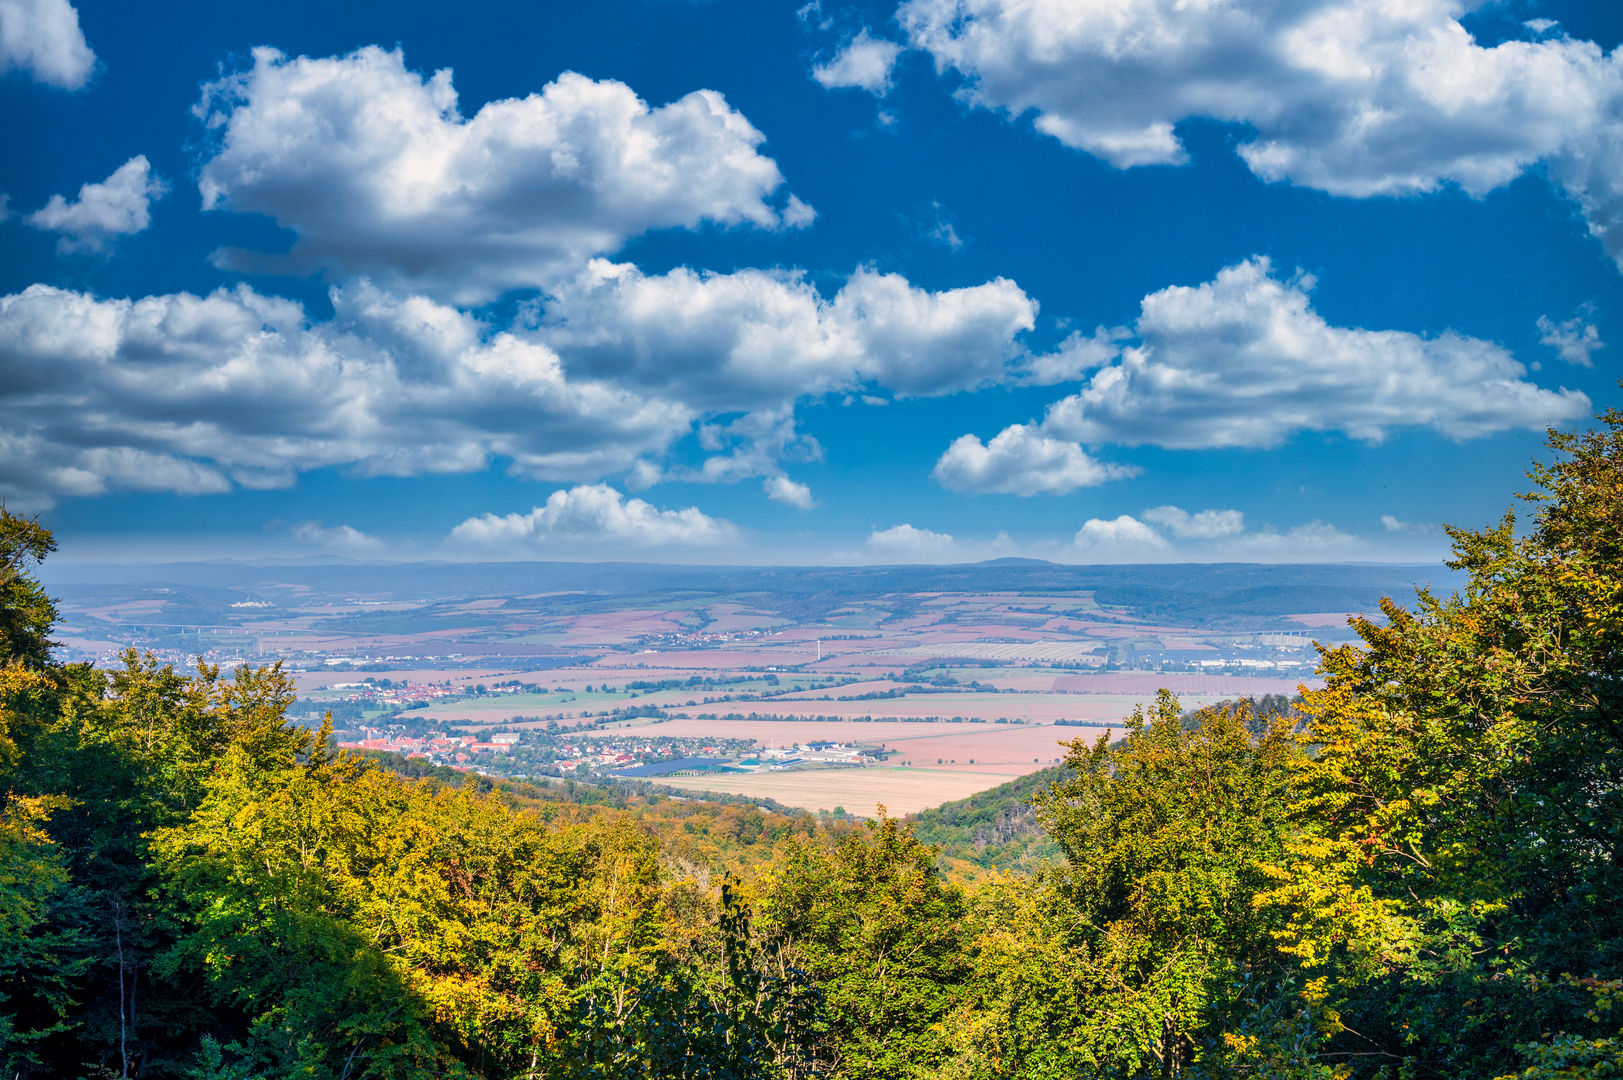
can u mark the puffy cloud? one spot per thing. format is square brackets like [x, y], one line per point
[118, 206]
[594, 513]
[192, 394]
[1205, 525]
[1572, 340]
[1021, 460]
[42, 39]
[376, 172]
[1354, 97]
[753, 444]
[35, 468]
[1244, 360]
[240, 388]
[1209, 534]
[755, 342]
[342, 538]
[1160, 534]
[1122, 532]
[1075, 357]
[907, 542]
[863, 63]
[789, 492]
[797, 214]
[755, 338]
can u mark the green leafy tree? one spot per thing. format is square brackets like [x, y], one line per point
[732, 1019]
[38, 965]
[38, 961]
[1149, 942]
[125, 756]
[1460, 818]
[880, 933]
[26, 612]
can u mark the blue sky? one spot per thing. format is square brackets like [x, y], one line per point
[1087, 280]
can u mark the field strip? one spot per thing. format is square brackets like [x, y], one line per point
[1039, 651]
[859, 791]
[981, 730]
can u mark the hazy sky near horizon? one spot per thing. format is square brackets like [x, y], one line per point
[937, 280]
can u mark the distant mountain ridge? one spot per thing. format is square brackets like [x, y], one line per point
[1218, 595]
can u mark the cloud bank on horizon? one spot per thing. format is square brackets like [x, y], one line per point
[502, 290]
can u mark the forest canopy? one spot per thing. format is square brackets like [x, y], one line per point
[1413, 873]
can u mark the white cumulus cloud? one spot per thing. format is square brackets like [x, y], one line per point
[1204, 525]
[754, 342]
[1021, 460]
[1573, 340]
[1124, 532]
[789, 492]
[238, 388]
[754, 338]
[340, 538]
[195, 394]
[594, 513]
[42, 39]
[863, 63]
[1353, 97]
[1169, 533]
[376, 172]
[905, 541]
[1244, 361]
[1075, 357]
[753, 445]
[118, 206]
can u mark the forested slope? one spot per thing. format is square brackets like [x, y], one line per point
[1413, 873]
[996, 829]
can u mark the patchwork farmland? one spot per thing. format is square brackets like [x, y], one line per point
[932, 683]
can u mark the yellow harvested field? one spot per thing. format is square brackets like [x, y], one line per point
[859, 791]
[998, 747]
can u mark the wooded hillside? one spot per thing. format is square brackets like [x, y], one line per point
[1417, 875]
